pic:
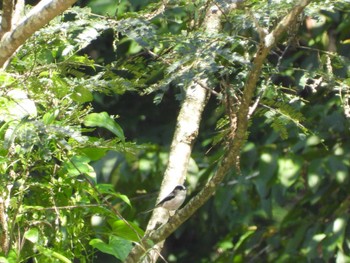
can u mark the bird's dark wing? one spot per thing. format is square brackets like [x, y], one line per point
[169, 197]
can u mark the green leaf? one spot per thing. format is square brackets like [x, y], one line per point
[80, 165]
[61, 87]
[335, 235]
[244, 237]
[124, 198]
[117, 247]
[106, 189]
[105, 121]
[109, 189]
[53, 254]
[6, 79]
[129, 231]
[289, 169]
[94, 154]
[11, 257]
[49, 117]
[267, 169]
[82, 95]
[315, 174]
[338, 168]
[32, 235]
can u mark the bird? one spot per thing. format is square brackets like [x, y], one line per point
[173, 200]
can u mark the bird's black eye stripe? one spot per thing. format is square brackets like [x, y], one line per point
[180, 187]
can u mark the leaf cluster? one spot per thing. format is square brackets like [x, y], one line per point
[50, 195]
[291, 200]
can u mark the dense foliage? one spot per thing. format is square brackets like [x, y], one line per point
[67, 169]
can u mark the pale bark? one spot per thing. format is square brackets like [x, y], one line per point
[37, 18]
[186, 132]
[235, 143]
[180, 152]
[18, 12]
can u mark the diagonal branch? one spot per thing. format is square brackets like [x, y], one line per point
[186, 132]
[235, 144]
[38, 17]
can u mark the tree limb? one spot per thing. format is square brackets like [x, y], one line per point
[235, 144]
[38, 17]
[18, 12]
[180, 152]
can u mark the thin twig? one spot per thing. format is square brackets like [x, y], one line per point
[204, 86]
[38, 208]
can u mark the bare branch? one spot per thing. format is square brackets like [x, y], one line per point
[235, 144]
[38, 17]
[157, 12]
[65, 207]
[185, 134]
[204, 86]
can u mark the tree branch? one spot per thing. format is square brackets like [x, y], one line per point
[180, 152]
[235, 144]
[38, 17]
[18, 12]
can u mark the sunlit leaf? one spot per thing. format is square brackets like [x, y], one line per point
[82, 95]
[117, 247]
[32, 235]
[127, 230]
[105, 121]
[49, 253]
[109, 189]
[315, 174]
[79, 165]
[289, 170]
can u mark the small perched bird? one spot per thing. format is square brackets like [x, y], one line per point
[173, 200]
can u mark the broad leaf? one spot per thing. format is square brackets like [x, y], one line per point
[103, 120]
[117, 247]
[128, 230]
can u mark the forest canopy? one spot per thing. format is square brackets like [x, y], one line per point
[106, 106]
